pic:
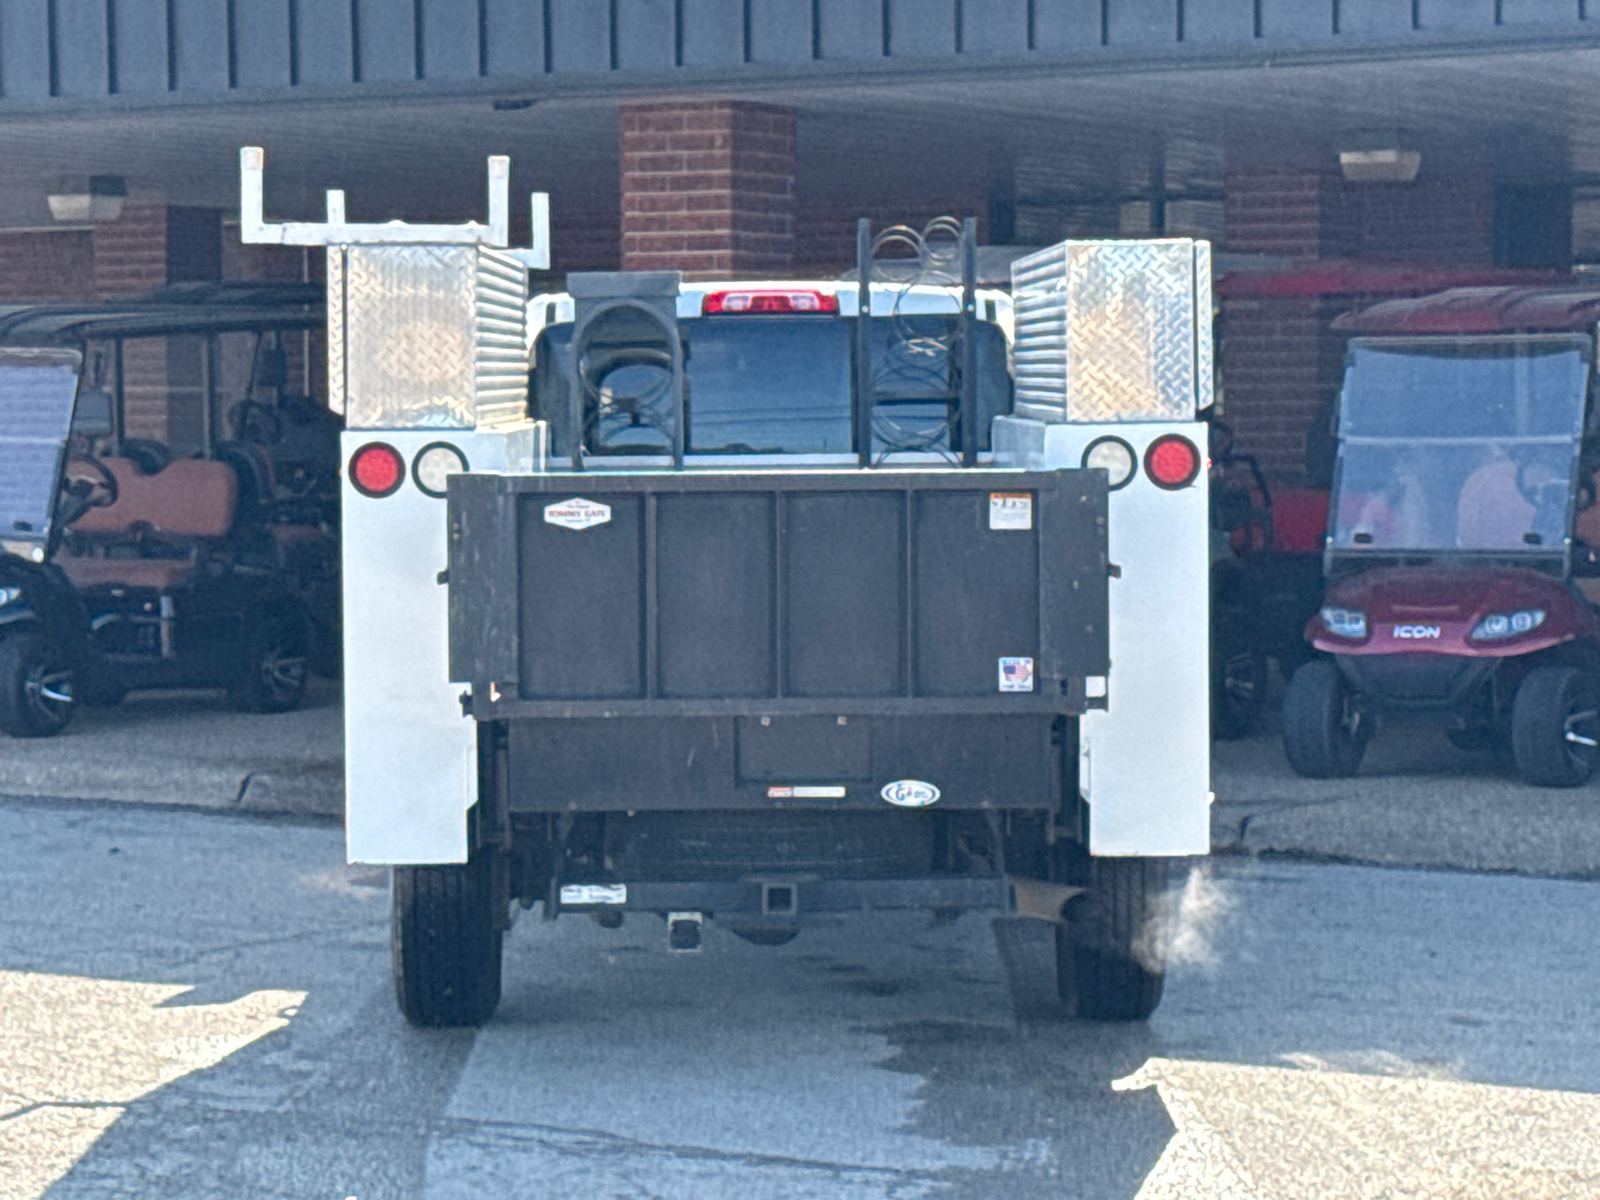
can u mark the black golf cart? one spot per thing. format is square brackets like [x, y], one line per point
[204, 556]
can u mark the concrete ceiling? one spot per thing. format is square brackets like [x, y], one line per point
[1513, 115]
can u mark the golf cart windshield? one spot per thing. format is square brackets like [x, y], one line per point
[36, 392]
[1464, 445]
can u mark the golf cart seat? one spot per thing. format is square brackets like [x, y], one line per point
[174, 513]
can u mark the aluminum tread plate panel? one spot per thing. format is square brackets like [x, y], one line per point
[1113, 330]
[432, 336]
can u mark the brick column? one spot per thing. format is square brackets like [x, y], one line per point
[150, 245]
[708, 188]
[1272, 348]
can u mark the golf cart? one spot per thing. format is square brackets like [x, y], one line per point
[1266, 580]
[189, 560]
[1456, 554]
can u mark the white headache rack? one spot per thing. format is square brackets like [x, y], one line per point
[426, 323]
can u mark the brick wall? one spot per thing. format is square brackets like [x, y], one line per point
[1281, 361]
[130, 253]
[44, 265]
[1431, 220]
[1274, 212]
[825, 233]
[708, 188]
[1271, 348]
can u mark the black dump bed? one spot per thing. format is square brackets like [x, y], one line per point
[684, 593]
[696, 641]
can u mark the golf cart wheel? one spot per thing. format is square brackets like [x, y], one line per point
[1554, 727]
[1238, 690]
[277, 659]
[36, 686]
[1325, 731]
[1111, 950]
[446, 943]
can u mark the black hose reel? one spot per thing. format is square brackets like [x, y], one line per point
[626, 319]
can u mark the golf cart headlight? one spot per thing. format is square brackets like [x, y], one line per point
[1345, 622]
[9, 595]
[1504, 625]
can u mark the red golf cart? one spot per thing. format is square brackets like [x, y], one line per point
[1456, 554]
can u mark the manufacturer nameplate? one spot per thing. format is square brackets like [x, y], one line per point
[910, 793]
[577, 513]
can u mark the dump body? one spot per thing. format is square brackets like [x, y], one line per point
[718, 639]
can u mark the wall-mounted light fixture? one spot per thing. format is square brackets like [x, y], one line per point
[88, 200]
[1390, 165]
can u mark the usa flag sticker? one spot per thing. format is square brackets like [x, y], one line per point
[1016, 674]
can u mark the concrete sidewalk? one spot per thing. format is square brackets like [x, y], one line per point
[190, 749]
[1417, 802]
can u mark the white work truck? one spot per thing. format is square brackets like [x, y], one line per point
[768, 603]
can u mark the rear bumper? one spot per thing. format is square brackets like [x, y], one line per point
[792, 900]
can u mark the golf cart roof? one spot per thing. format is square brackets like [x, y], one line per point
[1481, 310]
[199, 308]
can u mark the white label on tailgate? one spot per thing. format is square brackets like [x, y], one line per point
[577, 513]
[594, 893]
[1010, 510]
[804, 792]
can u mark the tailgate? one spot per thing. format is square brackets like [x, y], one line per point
[723, 593]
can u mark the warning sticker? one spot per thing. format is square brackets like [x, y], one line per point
[1016, 674]
[577, 513]
[1010, 510]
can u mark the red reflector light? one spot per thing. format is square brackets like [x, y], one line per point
[377, 469]
[775, 301]
[1172, 462]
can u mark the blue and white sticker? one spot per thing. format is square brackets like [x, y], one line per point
[1016, 674]
[910, 793]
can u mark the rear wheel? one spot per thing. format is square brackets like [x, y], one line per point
[1555, 730]
[1105, 960]
[1325, 731]
[277, 657]
[37, 686]
[1111, 952]
[446, 942]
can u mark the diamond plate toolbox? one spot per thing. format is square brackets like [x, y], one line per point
[1113, 330]
[426, 336]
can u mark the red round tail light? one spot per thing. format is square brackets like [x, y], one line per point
[377, 469]
[1172, 462]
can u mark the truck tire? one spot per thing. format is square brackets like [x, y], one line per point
[1111, 950]
[37, 694]
[1325, 733]
[446, 943]
[1554, 727]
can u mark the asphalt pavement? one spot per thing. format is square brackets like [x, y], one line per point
[197, 1005]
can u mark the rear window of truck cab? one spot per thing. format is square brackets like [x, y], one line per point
[774, 385]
